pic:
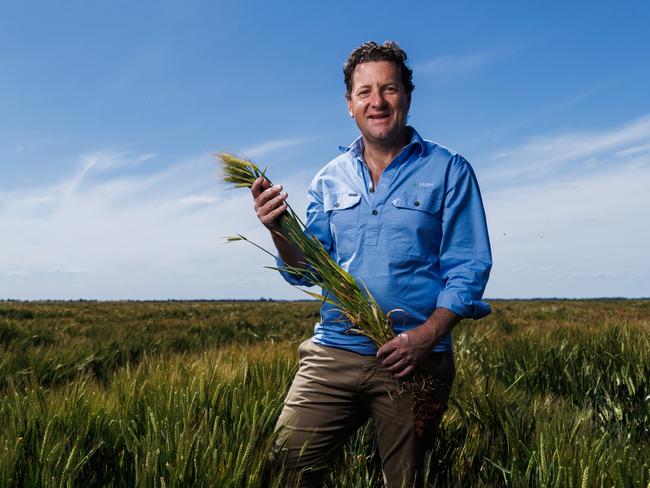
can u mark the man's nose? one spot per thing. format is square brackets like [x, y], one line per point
[377, 98]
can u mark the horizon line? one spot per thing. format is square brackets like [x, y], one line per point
[268, 299]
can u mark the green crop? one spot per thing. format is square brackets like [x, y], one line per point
[153, 394]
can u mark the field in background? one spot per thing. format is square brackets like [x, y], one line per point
[547, 393]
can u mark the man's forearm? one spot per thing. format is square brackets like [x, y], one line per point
[288, 252]
[402, 355]
[439, 324]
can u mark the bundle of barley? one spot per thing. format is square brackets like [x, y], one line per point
[355, 302]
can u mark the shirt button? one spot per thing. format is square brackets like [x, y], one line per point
[374, 212]
[417, 204]
[336, 204]
[372, 189]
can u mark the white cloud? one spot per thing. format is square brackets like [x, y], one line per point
[547, 110]
[634, 150]
[115, 234]
[545, 156]
[268, 147]
[564, 225]
[159, 233]
[103, 161]
[17, 272]
[460, 64]
[70, 270]
[198, 200]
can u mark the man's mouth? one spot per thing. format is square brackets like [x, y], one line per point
[378, 116]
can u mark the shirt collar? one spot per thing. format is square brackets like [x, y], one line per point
[356, 148]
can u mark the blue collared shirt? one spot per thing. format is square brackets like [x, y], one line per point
[418, 240]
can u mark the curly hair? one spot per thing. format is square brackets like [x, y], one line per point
[371, 51]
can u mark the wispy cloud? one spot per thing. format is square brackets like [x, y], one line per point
[567, 214]
[16, 272]
[198, 200]
[70, 270]
[541, 113]
[116, 233]
[103, 161]
[460, 64]
[634, 150]
[544, 156]
[583, 240]
[158, 232]
[268, 147]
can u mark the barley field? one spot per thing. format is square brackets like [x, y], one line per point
[175, 394]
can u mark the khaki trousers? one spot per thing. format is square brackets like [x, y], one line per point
[336, 391]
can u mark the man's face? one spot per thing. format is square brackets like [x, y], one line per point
[378, 102]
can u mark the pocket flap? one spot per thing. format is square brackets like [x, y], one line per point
[340, 201]
[423, 201]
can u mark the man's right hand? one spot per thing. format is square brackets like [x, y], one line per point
[269, 206]
[269, 202]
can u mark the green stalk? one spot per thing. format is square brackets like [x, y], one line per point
[356, 302]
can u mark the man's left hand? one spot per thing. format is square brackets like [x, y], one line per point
[402, 355]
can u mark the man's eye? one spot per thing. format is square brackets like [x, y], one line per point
[390, 89]
[363, 93]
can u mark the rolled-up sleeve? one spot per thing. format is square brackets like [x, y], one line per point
[465, 255]
[318, 225]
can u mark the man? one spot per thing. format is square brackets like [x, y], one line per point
[404, 216]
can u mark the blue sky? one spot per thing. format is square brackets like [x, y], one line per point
[110, 113]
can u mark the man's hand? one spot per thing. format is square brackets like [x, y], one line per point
[402, 355]
[269, 202]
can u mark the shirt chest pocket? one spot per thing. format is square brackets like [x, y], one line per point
[343, 209]
[415, 224]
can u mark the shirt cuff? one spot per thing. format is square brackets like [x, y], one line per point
[468, 309]
[292, 277]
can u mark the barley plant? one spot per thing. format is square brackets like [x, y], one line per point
[341, 289]
[176, 394]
